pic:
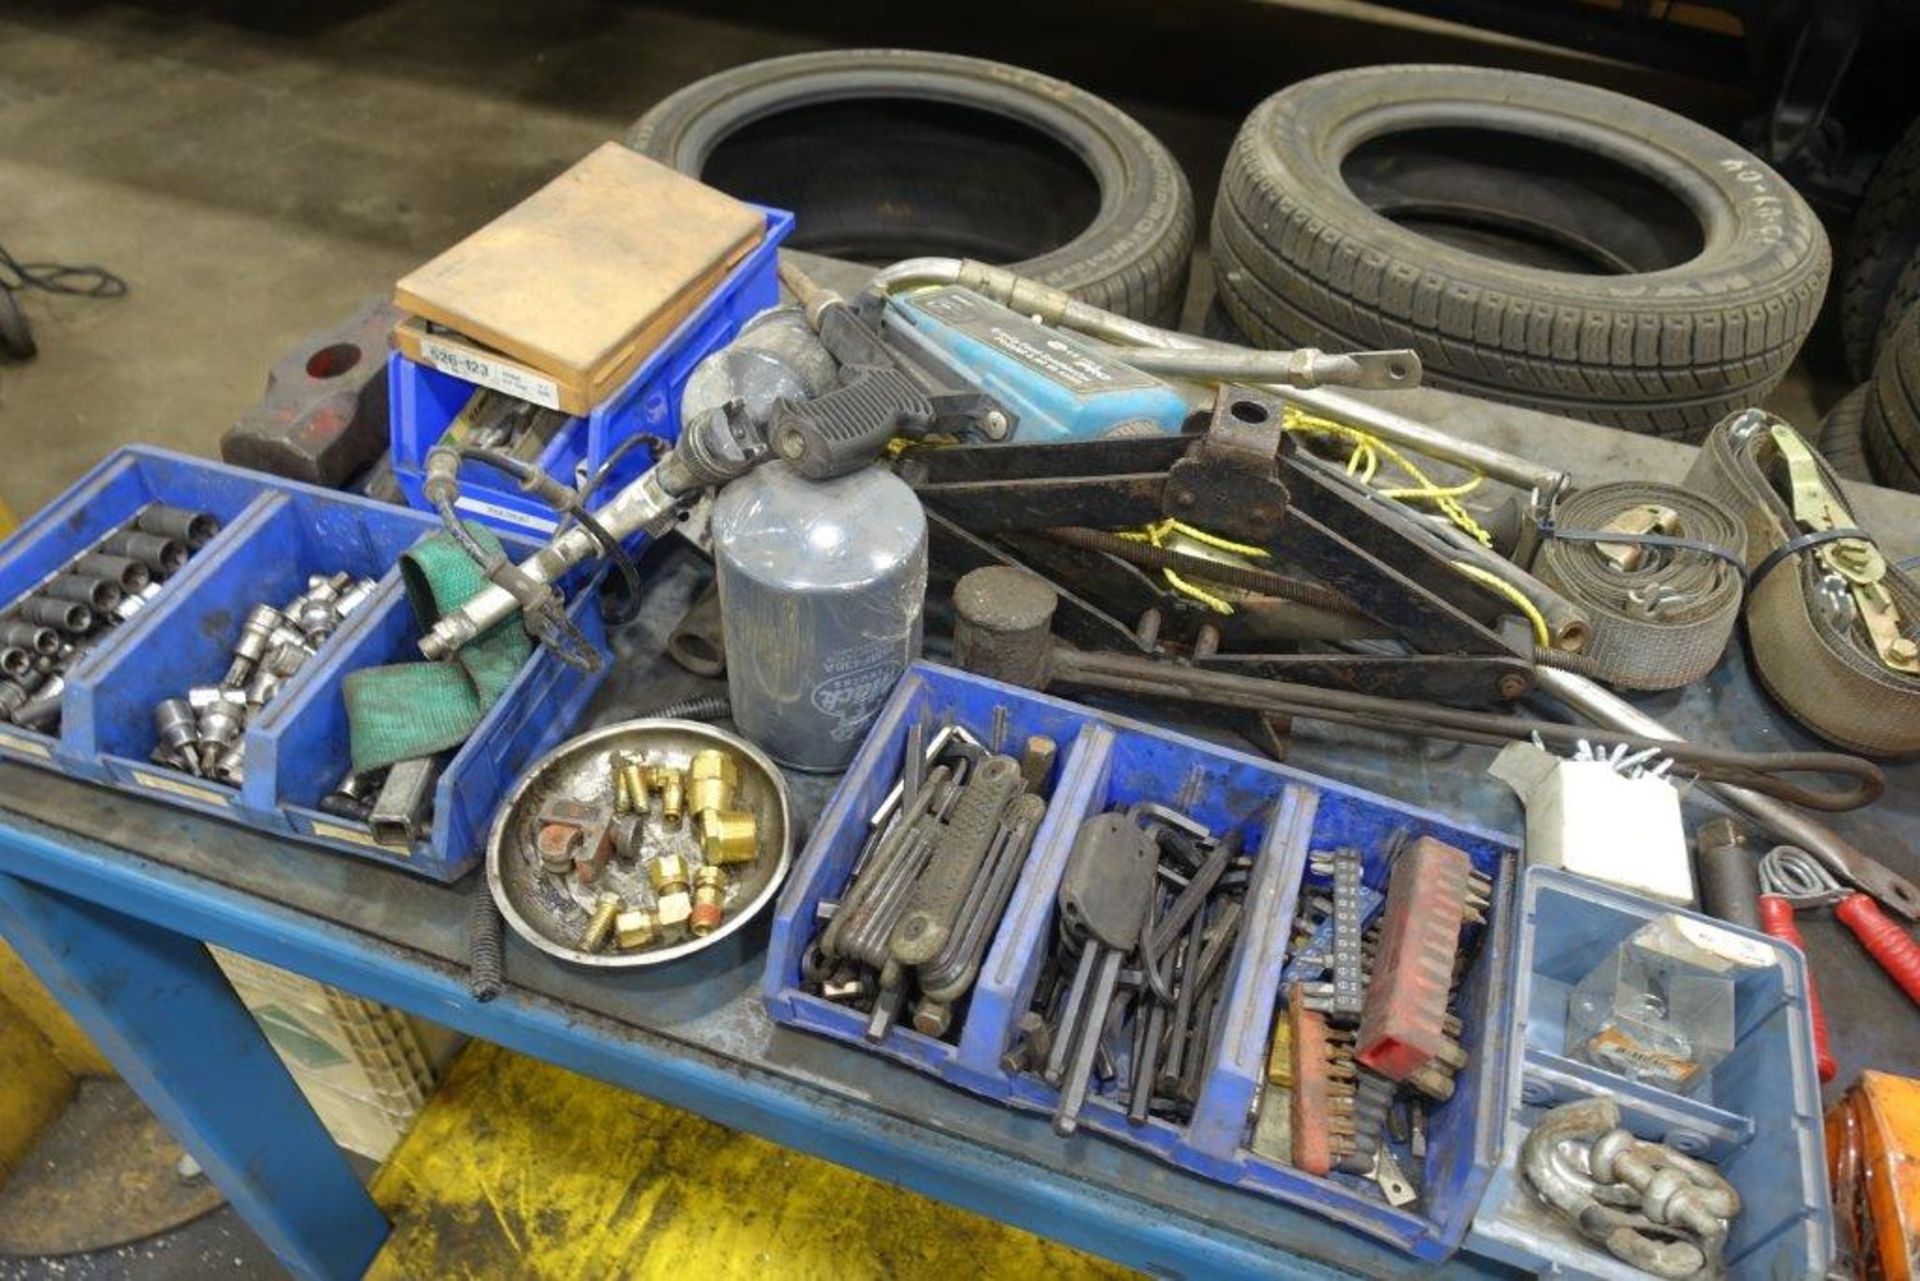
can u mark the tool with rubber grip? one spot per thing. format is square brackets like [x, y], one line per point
[1776, 918]
[1890, 945]
[954, 970]
[846, 429]
[941, 892]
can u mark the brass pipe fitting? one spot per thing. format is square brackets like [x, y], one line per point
[709, 900]
[672, 785]
[669, 876]
[631, 775]
[713, 778]
[600, 925]
[635, 928]
[729, 836]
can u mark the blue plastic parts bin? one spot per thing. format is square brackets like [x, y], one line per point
[274, 533]
[423, 401]
[1757, 1117]
[1282, 814]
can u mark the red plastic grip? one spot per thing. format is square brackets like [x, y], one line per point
[1896, 951]
[1776, 918]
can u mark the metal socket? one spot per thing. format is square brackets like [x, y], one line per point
[157, 552]
[317, 619]
[124, 570]
[37, 637]
[261, 687]
[13, 696]
[15, 661]
[284, 659]
[195, 529]
[42, 711]
[177, 726]
[256, 631]
[355, 596]
[100, 594]
[75, 618]
[231, 766]
[220, 724]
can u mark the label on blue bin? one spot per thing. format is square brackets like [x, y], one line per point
[25, 747]
[490, 371]
[526, 520]
[160, 783]
[357, 836]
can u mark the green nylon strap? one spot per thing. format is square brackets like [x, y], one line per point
[406, 710]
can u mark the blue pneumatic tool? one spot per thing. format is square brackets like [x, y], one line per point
[949, 360]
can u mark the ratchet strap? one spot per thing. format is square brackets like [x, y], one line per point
[1832, 624]
[406, 710]
[1657, 569]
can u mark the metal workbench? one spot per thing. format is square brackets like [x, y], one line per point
[109, 898]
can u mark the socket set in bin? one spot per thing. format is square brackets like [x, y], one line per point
[56, 725]
[1165, 883]
[201, 732]
[65, 616]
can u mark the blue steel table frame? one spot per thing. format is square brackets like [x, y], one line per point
[119, 939]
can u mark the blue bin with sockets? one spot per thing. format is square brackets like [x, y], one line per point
[1757, 1117]
[274, 534]
[1282, 814]
[423, 402]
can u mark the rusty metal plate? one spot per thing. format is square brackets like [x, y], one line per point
[551, 911]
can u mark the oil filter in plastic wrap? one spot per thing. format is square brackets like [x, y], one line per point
[821, 590]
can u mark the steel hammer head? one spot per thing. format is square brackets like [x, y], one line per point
[1003, 625]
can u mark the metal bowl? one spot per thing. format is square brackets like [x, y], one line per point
[550, 912]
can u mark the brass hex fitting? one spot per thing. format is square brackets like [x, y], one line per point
[668, 874]
[672, 785]
[729, 836]
[635, 927]
[713, 777]
[600, 925]
[709, 900]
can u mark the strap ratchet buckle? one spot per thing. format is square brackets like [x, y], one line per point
[1855, 560]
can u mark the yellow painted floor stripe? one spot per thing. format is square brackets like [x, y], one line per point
[519, 1169]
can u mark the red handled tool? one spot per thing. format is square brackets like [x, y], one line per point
[1792, 878]
[1886, 939]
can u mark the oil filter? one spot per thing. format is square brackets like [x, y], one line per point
[821, 590]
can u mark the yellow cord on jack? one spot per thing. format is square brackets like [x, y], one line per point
[1489, 579]
[1158, 534]
[1364, 462]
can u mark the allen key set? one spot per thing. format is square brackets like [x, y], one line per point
[1149, 911]
[931, 880]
